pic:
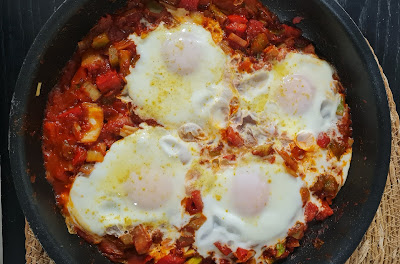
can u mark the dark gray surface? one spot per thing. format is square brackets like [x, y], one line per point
[21, 20]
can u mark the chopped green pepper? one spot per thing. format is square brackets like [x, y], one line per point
[100, 41]
[194, 260]
[281, 249]
[340, 108]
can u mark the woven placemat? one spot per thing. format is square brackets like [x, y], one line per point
[381, 243]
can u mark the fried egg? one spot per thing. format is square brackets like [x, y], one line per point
[180, 77]
[297, 95]
[321, 162]
[140, 181]
[250, 204]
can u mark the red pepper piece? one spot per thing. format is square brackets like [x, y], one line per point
[243, 255]
[80, 156]
[291, 31]
[194, 204]
[237, 28]
[109, 81]
[325, 212]
[297, 20]
[171, 259]
[80, 76]
[237, 19]
[223, 248]
[234, 138]
[323, 140]
[310, 211]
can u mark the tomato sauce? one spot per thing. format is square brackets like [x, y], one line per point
[88, 91]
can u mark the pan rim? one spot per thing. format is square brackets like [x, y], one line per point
[49, 32]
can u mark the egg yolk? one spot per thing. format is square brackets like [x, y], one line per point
[249, 192]
[150, 191]
[296, 94]
[182, 51]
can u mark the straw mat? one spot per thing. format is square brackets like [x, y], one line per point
[381, 243]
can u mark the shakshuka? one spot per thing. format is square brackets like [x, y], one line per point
[196, 131]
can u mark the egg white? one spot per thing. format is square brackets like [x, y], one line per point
[180, 77]
[251, 204]
[140, 181]
[296, 94]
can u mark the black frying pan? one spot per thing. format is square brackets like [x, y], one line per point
[337, 39]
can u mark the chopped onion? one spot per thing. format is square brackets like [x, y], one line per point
[305, 140]
[113, 56]
[191, 132]
[238, 40]
[95, 118]
[100, 41]
[225, 47]
[127, 130]
[86, 168]
[91, 90]
[94, 156]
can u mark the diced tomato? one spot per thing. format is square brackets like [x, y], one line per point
[125, 44]
[86, 236]
[325, 212]
[310, 211]
[323, 140]
[50, 130]
[237, 19]
[230, 157]
[111, 248]
[184, 241]
[298, 153]
[80, 76]
[76, 111]
[291, 31]
[142, 239]
[109, 81]
[80, 156]
[310, 49]
[223, 248]
[237, 28]
[190, 5]
[246, 66]
[194, 204]
[237, 24]
[171, 259]
[305, 195]
[60, 174]
[255, 27]
[297, 20]
[243, 255]
[234, 138]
